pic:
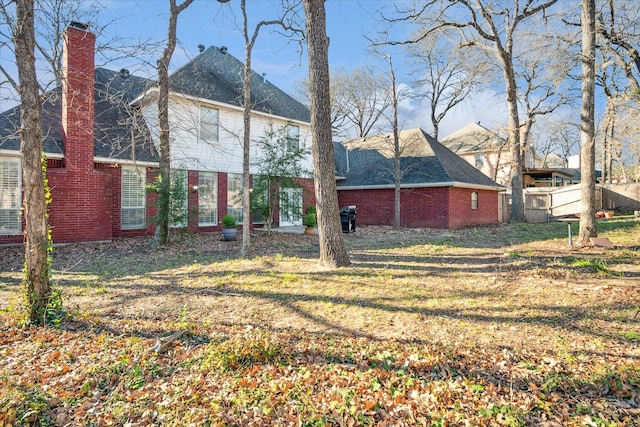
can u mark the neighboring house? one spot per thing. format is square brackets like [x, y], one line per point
[100, 143]
[438, 188]
[484, 149]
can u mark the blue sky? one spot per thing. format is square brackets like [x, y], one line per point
[210, 23]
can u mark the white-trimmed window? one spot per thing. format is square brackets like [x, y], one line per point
[10, 195]
[133, 198]
[474, 200]
[178, 203]
[479, 157]
[207, 198]
[209, 125]
[293, 137]
[234, 195]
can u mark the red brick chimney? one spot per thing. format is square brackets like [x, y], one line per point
[77, 96]
[81, 209]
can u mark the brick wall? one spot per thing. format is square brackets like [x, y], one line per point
[438, 207]
[78, 98]
[308, 192]
[460, 208]
[80, 210]
[81, 207]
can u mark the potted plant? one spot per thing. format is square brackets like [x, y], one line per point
[229, 230]
[309, 220]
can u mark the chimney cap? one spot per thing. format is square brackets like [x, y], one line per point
[79, 25]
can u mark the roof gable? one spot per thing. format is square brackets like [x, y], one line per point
[218, 76]
[473, 138]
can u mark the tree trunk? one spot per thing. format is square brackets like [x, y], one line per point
[246, 141]
[397, 172]
[36, 274]
[246, 146]
[333, 252]
[517, 198]
[525, 142]
[164, 193]
[587, 128]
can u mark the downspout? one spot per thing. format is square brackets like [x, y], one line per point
[347, 152]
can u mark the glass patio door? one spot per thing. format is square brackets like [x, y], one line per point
[290, 207]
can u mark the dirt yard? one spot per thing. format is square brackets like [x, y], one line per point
[503, 325]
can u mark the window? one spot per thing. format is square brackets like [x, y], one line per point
[209, 125]
[234, 195]
[290, 206]
[134, 198]
[479, 160]
[207, 198]
[293, 138]
[474, 200]
[179, 198]
[10, 195]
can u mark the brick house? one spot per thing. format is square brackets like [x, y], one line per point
[100, 144]
[438, 188]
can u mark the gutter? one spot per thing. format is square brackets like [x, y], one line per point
[151, 94]
[125, 162]
[18, 153]
[455, 184]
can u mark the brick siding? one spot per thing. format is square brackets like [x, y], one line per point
[434, 207]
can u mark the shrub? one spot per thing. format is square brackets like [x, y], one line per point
[228, 221]
[309, 219]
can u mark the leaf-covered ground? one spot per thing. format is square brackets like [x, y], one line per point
[503, 325]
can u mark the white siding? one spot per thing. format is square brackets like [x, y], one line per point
[225, 156]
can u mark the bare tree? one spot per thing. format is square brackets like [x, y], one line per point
[490, 26]
[561, 137]
[359, 99]
[611, 90]
[333, 252]
[397, 171]
[587, 126]
[619, 126]
[53, 16]
[37, 245]
[249, 42]
[618, 26]
[164, 188]
[446, 75]
[544, 72]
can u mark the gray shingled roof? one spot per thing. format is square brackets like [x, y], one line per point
[113, 120]
[213, 75]
[218, 76]
[436, 165]
[51, 126]
[116, 120]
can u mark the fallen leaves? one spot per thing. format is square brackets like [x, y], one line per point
[420, 333]
[267, 377]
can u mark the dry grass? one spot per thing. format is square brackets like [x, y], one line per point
[496, 325]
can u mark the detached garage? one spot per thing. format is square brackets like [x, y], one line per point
[438, 188]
